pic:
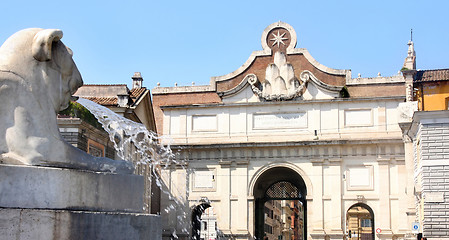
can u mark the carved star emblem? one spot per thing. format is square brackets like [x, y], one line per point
[278, 39]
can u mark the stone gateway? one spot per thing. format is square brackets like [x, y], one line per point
[287, 148]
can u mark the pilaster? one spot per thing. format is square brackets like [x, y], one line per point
[239, 208]
[410, 170]
[317, 219]
[335, 179]
[251, 220]
[224, 178]
[383, 217]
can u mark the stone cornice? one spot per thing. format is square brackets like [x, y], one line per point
[370, 99]
[183, 89]
[288, 144]
[426, 117]
[375, 80]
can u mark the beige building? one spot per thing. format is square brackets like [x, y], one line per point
[285, 127]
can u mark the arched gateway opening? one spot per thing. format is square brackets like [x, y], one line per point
[281, 207]
[360, 222]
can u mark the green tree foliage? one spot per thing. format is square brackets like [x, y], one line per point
[78, 111]
[344, 93]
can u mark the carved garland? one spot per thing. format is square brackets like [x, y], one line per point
[305, 76]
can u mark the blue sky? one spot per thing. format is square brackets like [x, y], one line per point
[191, 41]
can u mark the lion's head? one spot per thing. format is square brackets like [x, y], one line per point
[39, 55]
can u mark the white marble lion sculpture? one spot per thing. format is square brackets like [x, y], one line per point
[37, 79]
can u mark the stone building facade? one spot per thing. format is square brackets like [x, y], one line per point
[430, 134]
[283, 127]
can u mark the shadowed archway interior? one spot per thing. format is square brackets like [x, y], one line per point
[278, 183]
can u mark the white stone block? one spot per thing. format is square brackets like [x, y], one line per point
[56, 188]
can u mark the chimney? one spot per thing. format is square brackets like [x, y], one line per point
[122, 100]
[137, 80]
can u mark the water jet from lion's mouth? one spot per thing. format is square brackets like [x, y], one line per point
[125, 133]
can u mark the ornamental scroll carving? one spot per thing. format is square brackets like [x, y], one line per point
[280, 81]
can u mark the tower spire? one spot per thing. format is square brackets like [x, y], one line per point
[409, 68]
[410, 60]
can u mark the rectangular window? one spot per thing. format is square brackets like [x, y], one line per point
[268, 229]
[94, 148]
[365, 222]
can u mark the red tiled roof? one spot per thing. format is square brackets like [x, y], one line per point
[136, 92]
[432, 75]
[134, 95]
[105, 101]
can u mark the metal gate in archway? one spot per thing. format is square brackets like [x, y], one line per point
[280, 214]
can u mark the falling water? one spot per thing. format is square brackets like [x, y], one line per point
[131, 138]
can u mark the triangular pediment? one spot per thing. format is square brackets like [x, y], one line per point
[280, 72]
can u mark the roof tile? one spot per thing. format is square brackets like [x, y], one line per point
[136, 92]
[105, 101]
[432, 75]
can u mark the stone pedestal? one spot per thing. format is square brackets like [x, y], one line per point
[63, 224]
[54, 203]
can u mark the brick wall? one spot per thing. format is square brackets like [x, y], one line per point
[377, 90]
[82, 142]
[433, 152]
[71, 137]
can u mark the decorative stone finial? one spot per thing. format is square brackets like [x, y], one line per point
[410, 60]
[279, 36]
[193, 83]
[409, 70]
[176, 84]
[158, 84]
[359, 75]
[378, 74]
